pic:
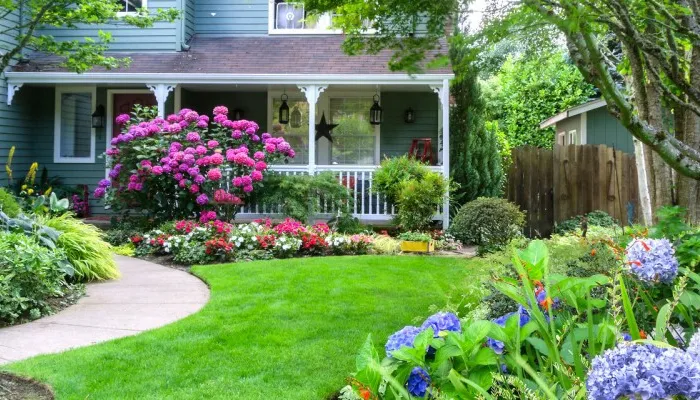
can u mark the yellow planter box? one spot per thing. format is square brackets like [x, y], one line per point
[417, 247]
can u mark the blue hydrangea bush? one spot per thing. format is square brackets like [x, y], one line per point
[562, 342]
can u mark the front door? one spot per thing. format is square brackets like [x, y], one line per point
[124, 104]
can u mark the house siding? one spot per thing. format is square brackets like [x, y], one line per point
[14, 124]
[163, 36]
[396, 135]
[231, 17]
[603, 128]
[189, 15]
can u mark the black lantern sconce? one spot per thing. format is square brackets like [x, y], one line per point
[376, 112]
[295, 119]
[284, 111]
[409, 116]
[237, 114]
[98, 117]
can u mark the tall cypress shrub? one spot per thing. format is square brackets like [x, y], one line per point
[475, 161]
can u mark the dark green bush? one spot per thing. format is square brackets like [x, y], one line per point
[30, 274]
[9, 204]
[301, 196]
[597, 218]
[488, 222]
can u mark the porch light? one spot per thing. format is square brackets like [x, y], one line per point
[237, 114]
[375, 113]
[295, 120]
[409, 116]
[98, 117]
[284, 111]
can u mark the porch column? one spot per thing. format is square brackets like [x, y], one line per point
[161, 91]
[312, 93]
[443, 92]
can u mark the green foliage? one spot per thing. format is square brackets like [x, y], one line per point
[527, 91]
[347, 223]
[385, 244]
[415, 236]
[393, 171]
[192, 253]
[77, 55]
[475, 152]
[489, 223]
[595, 218]
[126, 249]
[82, 243]
[30, 274]
[418, 201]
[671, 225]
[302, 196]
[9, 204]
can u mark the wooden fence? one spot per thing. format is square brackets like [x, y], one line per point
[554, 185]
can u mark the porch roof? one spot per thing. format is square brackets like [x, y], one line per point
[301, 55]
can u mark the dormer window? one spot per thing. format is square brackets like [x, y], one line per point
[290, 17]
[131, 6]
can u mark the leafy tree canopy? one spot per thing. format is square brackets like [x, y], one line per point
[653, 44]
[79, 55]
[527, 91]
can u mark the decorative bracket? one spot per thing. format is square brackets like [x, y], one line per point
[313, 92]
[12, 89]
[161, 91]
[441, 92]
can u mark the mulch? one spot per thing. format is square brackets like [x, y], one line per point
[13, 387]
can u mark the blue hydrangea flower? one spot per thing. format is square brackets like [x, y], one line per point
[652, 260]
[693, 349]
[497, 345]
[418, 382]
[404, 337]
[442, 321]
[643, 370]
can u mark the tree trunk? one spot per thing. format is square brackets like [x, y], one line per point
[643, 181]
[689, 131]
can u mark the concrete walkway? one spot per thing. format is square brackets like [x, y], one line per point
[147, 296]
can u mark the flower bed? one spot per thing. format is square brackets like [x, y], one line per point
[195, 242]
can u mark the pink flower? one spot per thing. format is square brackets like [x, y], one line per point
[257, 176]
[191, 116]
[173, 118]
[237, 134]
[237, 181]
[174, 128]
[199, 179]
[182, 183]
[246, 180]
[248, 188]
[202, 124]
[219, 118]
[202, 199]
[201, 150]
[194, 189]
[178, 176]
[259, 155]
[216, 159]
[270, 148]
[100, 191]
[192, 137]
[212, 144]
[214, 174]
[220, 110]
[260, 165]
[122, 119]
[157, 170]
[206, 216]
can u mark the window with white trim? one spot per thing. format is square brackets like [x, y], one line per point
[354, 139]
[131, 6]
[74, 136]
[572, 137]
[296, 132]
[291, 17]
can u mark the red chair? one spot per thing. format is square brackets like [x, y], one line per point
[422, 149]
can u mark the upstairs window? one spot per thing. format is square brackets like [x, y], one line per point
[130, 6]
[291, 17]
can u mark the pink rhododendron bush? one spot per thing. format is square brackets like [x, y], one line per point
[187, 165]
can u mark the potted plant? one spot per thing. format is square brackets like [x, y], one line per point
[416, 242]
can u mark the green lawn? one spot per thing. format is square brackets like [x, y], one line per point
[282, 329]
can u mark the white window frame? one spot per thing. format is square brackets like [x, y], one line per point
[572, 137]
[271, 8]
[324, 105]
[125, 13]
[57, 158]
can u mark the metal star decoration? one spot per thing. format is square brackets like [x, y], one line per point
[323, 129]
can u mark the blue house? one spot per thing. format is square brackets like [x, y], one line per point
[248, 55]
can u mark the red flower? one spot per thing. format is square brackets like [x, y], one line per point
[136, 239]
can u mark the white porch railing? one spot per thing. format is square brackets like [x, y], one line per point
[367, 203]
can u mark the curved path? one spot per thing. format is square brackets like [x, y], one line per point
[147, 296]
